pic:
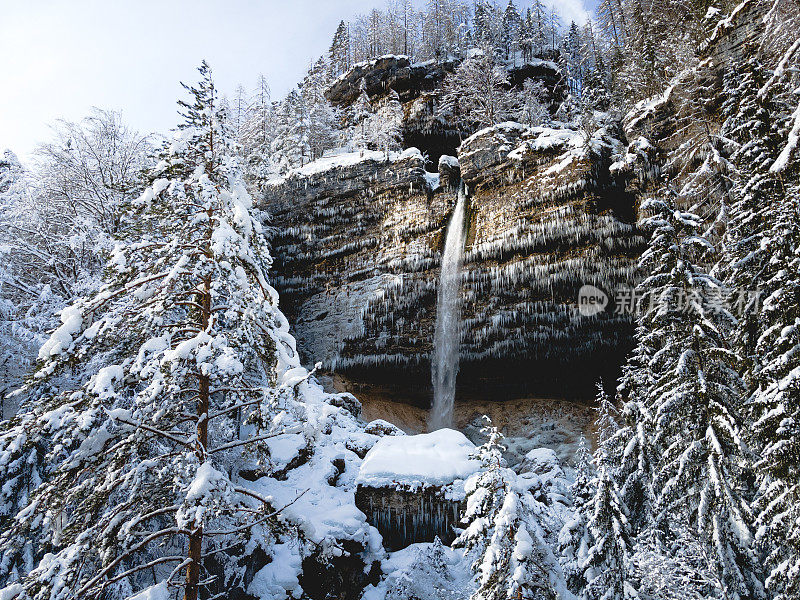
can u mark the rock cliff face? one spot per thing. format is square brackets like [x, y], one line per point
[357, 245]
[688, 113]
[357, 242]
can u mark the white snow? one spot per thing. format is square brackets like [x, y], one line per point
[432, 180]
[542, 459]
[450, 161]
[103, 382]
[436, 458]
[415, 572]
[15, 589]
[61, 338]
[347, 159]
[205, 480]
[279, 579]
[159, 591]
[285, 447]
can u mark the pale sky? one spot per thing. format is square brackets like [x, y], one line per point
[61, 57]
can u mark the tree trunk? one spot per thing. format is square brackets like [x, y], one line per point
[196, 538]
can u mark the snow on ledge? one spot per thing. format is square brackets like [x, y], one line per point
[346, 159]
[436, 458]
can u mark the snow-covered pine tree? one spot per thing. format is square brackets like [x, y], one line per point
[382, 130]
[573, 539]
[289, 146]
[321, 130]
[597, 543]
[762, 259]
[359, 113]
[503, 534]
[258, 133]
[121, 468]
[28, 303]
[606, 568]
[702, 473]
[538, 13]
[339, 52]
[510, 34]
[607, 416]
[531, 99]
[776, 403]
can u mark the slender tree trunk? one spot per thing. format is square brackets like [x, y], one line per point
[203, 398]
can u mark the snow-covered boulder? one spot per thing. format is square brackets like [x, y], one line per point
[412, 461]
[449, 172]
[411, 487]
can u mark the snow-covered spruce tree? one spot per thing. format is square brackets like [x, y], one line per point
[776, 403]
[257, 134]
[321, 132]
[359, 115]
[121, 469]
[606, 568]
[775, 366]
[761, 265]
[702, 473]
[339, 52]
[573, 539]
[502, 533]
[383, 129]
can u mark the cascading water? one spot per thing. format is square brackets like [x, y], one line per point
[446, 338]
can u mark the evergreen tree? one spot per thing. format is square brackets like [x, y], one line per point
[503, 533]
[120, 462]
[607, 572]
[511, 31]
[339, 52]
[321, 127]
[258, 134]
[762, 260]
[694, 399]
[478, 95]
[531, 99]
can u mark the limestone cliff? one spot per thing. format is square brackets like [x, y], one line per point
[357, 244]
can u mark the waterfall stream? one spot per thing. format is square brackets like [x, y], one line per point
[446, 338]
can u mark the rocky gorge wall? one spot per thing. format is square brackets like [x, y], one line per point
[357, 242]
[357, 245]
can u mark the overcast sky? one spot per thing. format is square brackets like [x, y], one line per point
[61, 57]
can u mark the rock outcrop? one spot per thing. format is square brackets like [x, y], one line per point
[411, 488]
[418, 87]
[388, 73]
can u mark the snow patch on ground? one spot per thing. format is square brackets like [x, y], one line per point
[280, 578]
[346, 159]
[427, 571]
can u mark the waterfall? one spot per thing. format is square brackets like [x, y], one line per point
[446, 338]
